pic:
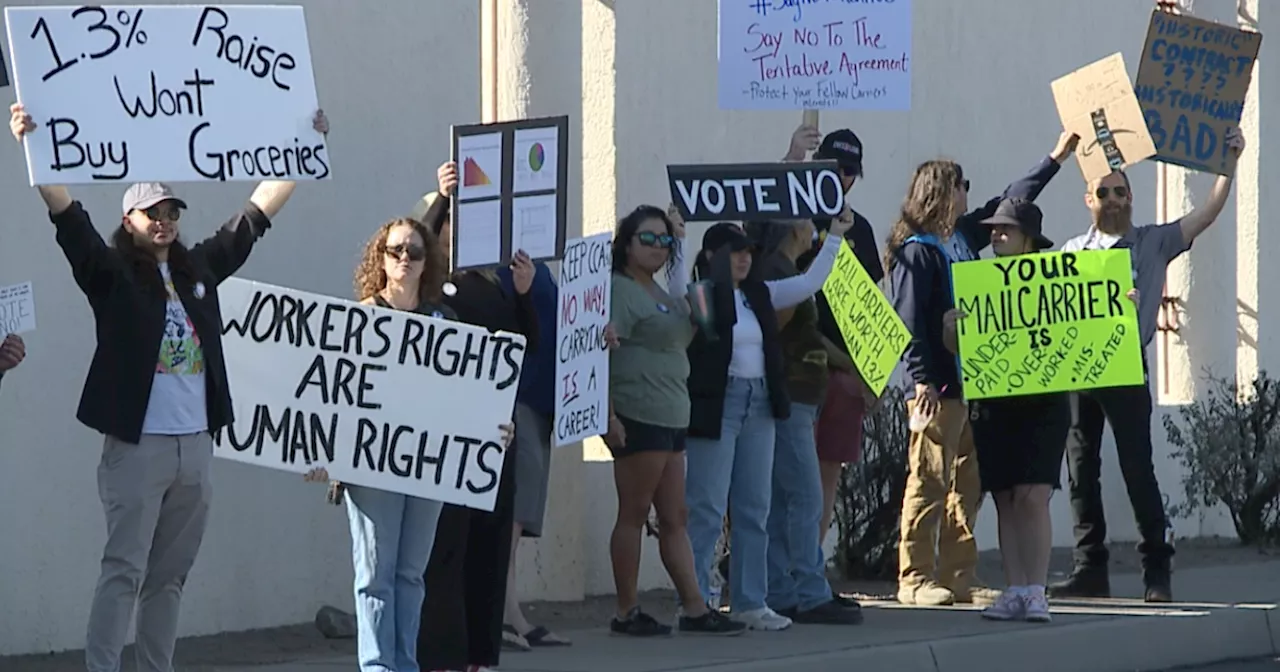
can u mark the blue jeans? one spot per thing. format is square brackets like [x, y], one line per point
[797, 575]
[391, 540]
[734, 471]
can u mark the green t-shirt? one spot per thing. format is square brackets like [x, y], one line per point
[649, 370]
[802, 348]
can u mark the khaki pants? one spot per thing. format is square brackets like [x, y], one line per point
[940, 506]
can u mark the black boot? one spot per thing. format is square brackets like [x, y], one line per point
[1084, 582]
[1159, 585]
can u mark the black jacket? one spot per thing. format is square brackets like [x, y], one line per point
[129, 318]
[709, 360]
[920, 286]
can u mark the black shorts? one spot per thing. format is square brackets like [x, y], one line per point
[643, 437]
[1020, 440]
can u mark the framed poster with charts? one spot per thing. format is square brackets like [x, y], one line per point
[511, 195]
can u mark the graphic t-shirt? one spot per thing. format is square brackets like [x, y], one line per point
[177, 404]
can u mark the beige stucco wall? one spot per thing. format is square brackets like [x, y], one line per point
[638, 78]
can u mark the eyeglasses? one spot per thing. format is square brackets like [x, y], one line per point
[1120, 192]
[651, 239]
[414, 252]
[158, 213]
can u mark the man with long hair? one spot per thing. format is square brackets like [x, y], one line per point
[1128, 409]
[937, 554]
[157, 390]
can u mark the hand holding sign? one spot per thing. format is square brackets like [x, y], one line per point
[1067, 143]
[950, 320]
[1235, 141]
[842, 224]
[522, 272]
[447, 178]
[805, 139]
[677, 221]
[20, 123]
[12, 352]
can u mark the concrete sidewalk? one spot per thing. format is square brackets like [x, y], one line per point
[1214, 624]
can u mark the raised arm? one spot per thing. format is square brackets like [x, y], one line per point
[228, 248]
[1028, 186]
[1197, 221]
[790, 292]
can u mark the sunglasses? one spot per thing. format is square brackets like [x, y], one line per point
[414, 252]
[1120, 192]
[158, 213]
[963, 184]
[651, 239]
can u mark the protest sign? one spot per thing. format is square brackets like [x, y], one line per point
[381, 398]
[512, 191]
[790, 55]
[1052, 322]
[17, 309]
[174, 93]
[582, 357]
[1192, 82]
[756, 191]
[1097, 102]
[872, 330]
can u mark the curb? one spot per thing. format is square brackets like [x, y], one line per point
[1185, 636]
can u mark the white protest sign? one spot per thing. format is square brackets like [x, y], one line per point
[582, 358]
[806, 54]
[17, 309]
[174, 93]
[380, 398]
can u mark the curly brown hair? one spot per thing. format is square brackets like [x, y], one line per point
[371, 275]
[929, 206]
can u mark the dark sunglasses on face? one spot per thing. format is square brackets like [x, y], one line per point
[651, 239]
[1120, 192]
[158, 213]
[414, 252]
[963, 184]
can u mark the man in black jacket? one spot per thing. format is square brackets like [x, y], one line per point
[12, 352]
[157, 390]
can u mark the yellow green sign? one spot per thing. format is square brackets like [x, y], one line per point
[871, 328]
[1053, 322]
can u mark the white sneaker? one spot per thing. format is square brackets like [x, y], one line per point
[763, 618]
[1037, 608]
[1010, 606]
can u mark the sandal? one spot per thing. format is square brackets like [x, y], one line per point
[512, 640]
[542, 637]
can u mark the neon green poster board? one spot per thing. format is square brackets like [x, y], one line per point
[1052, 322]
[874, 334]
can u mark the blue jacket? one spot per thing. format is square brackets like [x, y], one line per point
[538, 377]
[920, 284]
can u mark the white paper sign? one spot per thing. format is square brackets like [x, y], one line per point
[176, 93]
[17, 309]
[582, 358]
[381, 398]
[811, 54]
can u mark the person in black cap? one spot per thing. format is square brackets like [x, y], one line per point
[157, 389]
[838, 433]
[737, 391]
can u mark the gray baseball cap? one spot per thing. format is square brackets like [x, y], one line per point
[146, 194]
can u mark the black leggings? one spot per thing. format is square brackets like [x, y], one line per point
[467, 583]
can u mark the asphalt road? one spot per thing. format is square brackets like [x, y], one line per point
[1263, 665]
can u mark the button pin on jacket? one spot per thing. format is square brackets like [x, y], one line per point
[449, 289]
[199, 290]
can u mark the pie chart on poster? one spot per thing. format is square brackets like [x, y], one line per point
[537, 157]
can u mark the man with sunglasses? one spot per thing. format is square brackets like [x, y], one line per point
[157, 390]
[1128, 409]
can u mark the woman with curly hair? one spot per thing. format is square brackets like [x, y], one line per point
[392, 535]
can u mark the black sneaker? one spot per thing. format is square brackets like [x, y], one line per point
[845, 601]
[638, 624]
[829, 613]
[1083, 583]
[711, 623]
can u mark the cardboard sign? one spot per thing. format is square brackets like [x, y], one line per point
[196, 93]
[1192, 82]
[1098, 103]
[381, 398]
[17, 309]
[582, 357]
[748, 192]
[1051, 322]
[512, 191]
[872, 330]
[792, 55]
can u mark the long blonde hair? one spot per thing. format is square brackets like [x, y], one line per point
[929, 206]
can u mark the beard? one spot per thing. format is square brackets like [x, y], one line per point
[1115, 219]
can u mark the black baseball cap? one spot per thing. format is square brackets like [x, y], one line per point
[1026, 216]
[843, 147]
[725, 233]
